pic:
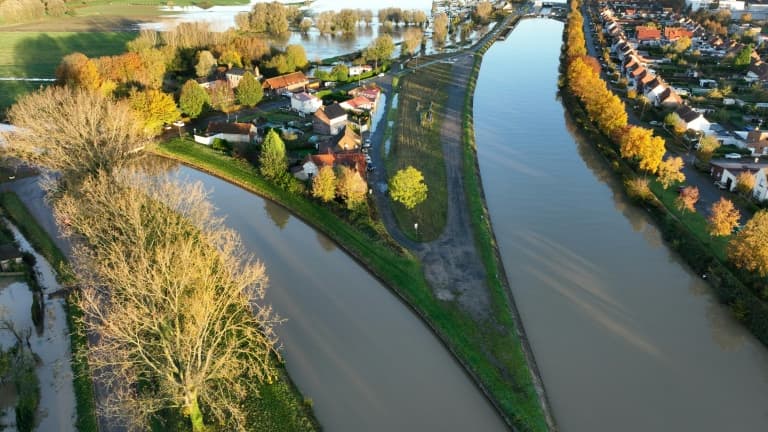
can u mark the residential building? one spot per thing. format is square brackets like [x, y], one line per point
[359, 69]
[647, 35]
[287, 83]
[312, 164]
[234, 75]
[758, 71]
[347, 141]
[230, 132]
[329, 120]
[757, 142]
[693, 120]
[760, 192]
[675, 33]
[305, 103]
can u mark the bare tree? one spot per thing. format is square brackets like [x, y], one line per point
[74, 131]
[171, 296]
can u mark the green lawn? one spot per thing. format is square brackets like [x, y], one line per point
[10, 91]
[695, 222]
[36, 54]
[416, 142]
[490, 350]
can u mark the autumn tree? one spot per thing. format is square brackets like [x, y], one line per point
[380, 49]
[351, 187]
[78, 70]
[723, 218]
[412, 40]
[670, 171]
[172, 298]
[637, 188]
[744, 57]
[296, 57]
[749, 248]
[440, 28]
[676, 123]
[408, 188]
[272, 159]
[745, 183]
[324, 184]
[639, 143]
[222, 96]
[154, 109]
[75, 132]
[193, 99]
[249, 91]
[483, 11]
[707, 147]
[687, 199]
[205, 63]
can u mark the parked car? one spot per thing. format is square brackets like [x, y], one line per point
[732, 156]
[720, 185]
[654, 123]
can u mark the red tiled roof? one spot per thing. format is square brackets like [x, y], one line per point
[648, 33]
[284, 81]
[674, 33]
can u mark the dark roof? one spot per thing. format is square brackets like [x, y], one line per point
[9, 251]
[236, 71]
[230, 128]
[334, 111]
[686, 113]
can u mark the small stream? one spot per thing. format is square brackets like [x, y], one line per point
[56, 412]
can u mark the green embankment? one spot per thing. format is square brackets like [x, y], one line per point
[278, 408]
[416, 142]
[488, 350]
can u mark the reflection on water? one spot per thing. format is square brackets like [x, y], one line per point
[278, 214]
[615, 319]
[327, 244]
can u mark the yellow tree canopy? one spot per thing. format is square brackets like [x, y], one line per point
[749, 248]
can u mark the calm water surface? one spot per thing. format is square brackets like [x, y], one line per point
[364, 358]
[627, 338]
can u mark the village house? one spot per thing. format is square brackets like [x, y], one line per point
[230, 132]
[359, 69]
[234, 75]
[727, 171]
[357, 104]
[647, 35]
[758, 71]
[312, 164]
[674, 33]
[305, 103]
[757, 142]
[287, 83]
[329, 120]
[344, 142]
[668, 99]
[372, 93]
[760, 192]
[693, 120]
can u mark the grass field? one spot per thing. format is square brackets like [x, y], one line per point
[489, 350]
[416, 142]
[36, 54]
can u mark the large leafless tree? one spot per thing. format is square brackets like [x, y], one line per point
[75, 132]
[172, 297]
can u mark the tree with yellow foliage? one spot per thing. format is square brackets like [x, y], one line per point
[745, 182]
[670, 171]
[749, 248]
[687, 199]
[154, 108]
[723, 218]
[78, 70]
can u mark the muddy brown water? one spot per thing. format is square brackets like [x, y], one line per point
[626, 336]
[367, 362]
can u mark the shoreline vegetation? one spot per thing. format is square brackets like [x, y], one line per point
[683, 232]
[279, 407]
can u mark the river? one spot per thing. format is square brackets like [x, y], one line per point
[367, 362]
[626, 336]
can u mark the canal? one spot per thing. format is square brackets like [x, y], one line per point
[367, 362]
[626, 336]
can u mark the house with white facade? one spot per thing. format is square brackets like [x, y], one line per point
[305, 103]
[693, 120]
[760, 192]
[230, 132]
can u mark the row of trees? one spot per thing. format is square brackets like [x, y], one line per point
[17, 11]
[748, 249]
[272, 18]
[194, 338]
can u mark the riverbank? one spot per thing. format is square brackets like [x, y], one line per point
[278, 407]
[683, 233]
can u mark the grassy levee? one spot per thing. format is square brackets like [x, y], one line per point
[518, 357]
[416, 142]
[487, 352]
[43, 244]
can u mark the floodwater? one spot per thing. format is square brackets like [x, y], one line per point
[626, 336]
[56, 412]
[367, 362]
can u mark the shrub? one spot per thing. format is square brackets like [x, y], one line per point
[221, 145]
